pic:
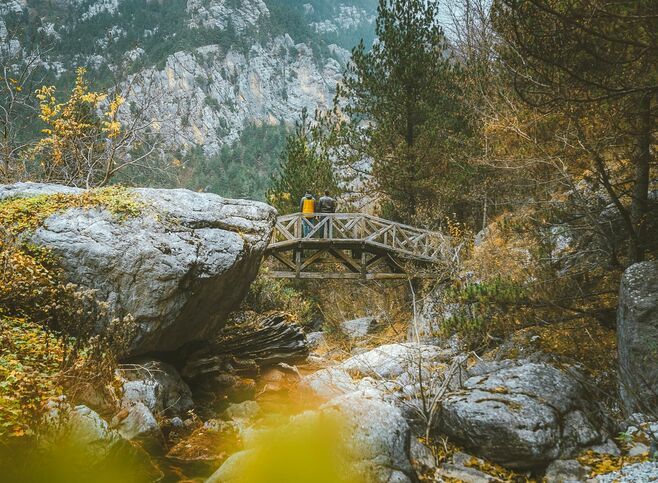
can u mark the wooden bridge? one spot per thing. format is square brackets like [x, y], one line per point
[353, 246]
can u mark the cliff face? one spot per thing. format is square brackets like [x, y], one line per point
[206, 96]
[202, 69]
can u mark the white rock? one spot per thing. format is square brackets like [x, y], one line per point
[139, 424]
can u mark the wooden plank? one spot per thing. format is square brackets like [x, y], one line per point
[346, 275]
[354, 229]
[347, 244]
[379, 233]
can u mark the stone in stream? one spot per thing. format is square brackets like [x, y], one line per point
[158, 386]
[359, 328]
[637, 337]
[179, 268]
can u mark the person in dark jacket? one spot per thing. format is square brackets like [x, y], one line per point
[326, 204]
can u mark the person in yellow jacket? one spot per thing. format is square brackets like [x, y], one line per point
[307, 207]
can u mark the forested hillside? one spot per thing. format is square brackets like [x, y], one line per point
[197, 72]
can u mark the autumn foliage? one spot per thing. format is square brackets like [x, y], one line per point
[47, 325]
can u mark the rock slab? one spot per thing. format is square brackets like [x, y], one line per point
[637, 337]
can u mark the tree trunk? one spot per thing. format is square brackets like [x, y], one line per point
[642, 161]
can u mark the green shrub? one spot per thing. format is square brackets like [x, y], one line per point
[485, 311]
[267, 294]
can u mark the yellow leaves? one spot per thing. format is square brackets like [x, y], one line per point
[113, 129]
[601, 464]
[75, 128]
[114, 106]
[29, 361]
[93, 98]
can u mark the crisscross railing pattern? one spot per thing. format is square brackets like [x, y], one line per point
[359, 229]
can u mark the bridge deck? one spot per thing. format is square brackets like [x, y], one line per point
[363, 246]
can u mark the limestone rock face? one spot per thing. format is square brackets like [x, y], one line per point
[522, 415]
[179, 268]
[247, 61]
[637, 337]
[248, 344]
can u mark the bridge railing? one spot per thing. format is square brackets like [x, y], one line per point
[360, 228]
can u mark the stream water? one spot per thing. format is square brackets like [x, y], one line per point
[260, 422]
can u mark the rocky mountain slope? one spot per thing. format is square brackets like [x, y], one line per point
[201, 69]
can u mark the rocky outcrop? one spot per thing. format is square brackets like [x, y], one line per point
[178, 268]
[239, 62]
[522, 415]
[637, 337]
[207, 96]
[250, 343]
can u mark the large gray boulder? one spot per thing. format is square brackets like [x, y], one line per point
[179, 268]
[377, 436]
[373, 436]
[637, 337]
[522, 415]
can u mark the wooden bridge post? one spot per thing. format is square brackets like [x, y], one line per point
[298, 262]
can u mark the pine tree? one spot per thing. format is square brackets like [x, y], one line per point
[303, 167]
[402, 101]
